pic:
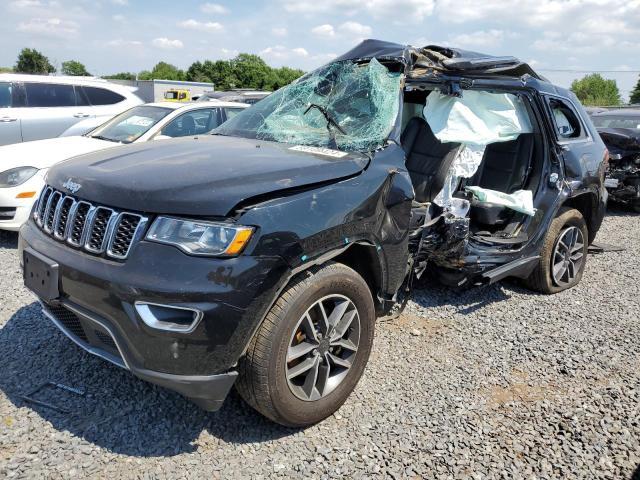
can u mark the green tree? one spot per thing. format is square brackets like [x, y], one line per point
[594, 90]
[162, 71]
[6, 70]
[251, 71]
[75, 69]
[635, 93]
[32, 61]
[243, 71]
[285, 75]
[121, 76]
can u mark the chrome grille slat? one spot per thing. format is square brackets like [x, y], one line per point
[62, 216]
[42, 204]
[125, 233]
[50, 214]
[78, 226]
[94, 228]
[101, 221]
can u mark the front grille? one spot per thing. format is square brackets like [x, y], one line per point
[69, 320]
[94, 228]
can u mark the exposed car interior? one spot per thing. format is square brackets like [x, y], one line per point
[507, 167]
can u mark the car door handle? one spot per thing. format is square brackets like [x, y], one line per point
[8, 119]
[81, 115]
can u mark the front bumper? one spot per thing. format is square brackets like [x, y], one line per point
[14, 212]
[100, 295]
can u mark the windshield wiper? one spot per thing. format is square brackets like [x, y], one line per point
[330, 122]
[100, 137]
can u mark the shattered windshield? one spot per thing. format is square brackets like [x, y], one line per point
[343, 106]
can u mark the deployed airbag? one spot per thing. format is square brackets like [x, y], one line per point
[520, 201]
[476, 118]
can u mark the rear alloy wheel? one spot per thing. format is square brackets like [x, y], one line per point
[312, 347]
[568, 256]
[563, 254]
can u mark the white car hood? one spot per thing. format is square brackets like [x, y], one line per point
[46, 153]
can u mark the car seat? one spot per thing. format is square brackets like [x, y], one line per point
[504, 168]
[428, 159]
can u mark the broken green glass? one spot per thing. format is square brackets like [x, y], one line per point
[343, 105]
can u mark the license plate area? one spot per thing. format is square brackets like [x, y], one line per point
[40, 275]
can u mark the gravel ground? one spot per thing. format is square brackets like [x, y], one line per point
[494, 382]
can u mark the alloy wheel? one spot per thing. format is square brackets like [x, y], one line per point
[568, 256]
[323, 347]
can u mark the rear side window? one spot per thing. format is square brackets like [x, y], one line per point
[5, 95]
[567, 123]
[102, 96]
[49, 95]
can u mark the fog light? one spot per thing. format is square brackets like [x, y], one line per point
[169, 317]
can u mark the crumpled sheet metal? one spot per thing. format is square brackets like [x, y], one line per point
[445, 241]
[362, 99]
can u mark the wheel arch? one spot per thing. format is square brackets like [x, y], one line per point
[364, 259]
[587, 204]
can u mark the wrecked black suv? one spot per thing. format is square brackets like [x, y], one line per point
[620, 131]
[260, 256]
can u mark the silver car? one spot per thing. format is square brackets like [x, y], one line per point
[35, 107]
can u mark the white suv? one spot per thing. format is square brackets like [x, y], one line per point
[34, 107]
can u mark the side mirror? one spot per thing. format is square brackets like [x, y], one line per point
[162, 137]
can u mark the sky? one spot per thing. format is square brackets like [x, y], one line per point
[562, 39]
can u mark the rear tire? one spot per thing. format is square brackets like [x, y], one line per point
[295, 334]
[563, 255]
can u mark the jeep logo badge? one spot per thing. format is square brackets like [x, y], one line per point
[72, 186]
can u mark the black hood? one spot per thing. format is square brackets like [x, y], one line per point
[201, 176]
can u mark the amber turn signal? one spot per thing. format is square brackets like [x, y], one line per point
[239, 242]
[26, 195]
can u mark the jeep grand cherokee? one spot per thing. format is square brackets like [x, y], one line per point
[260, 256]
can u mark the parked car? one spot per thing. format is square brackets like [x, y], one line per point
[261, 255]
[34, 107]
[594, 110]
[235, 95]
[24, 165]
[620, 130]
[229, 109]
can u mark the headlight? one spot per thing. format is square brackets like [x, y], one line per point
[16, 176]
[199, 237]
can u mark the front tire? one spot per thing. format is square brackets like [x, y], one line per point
[312, 348]
[563, 255]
